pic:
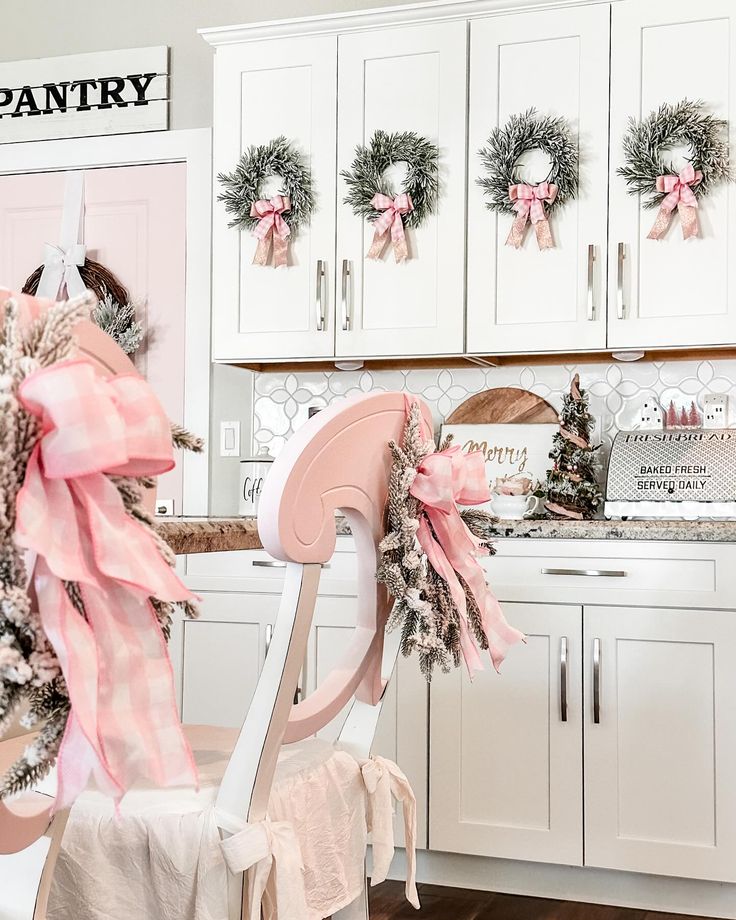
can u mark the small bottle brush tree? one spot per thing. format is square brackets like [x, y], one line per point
[572, 489]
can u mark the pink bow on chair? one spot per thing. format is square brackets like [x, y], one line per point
[123, 723]
[392, 217]
[679, 194]
[529, 201]
[444, 478]
[271, 228]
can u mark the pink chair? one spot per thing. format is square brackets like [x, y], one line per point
[263, 786]
[30, 835]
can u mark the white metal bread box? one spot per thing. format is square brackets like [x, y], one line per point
[676, 473]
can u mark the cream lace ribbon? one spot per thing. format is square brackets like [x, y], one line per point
[271, 850]
[384, 780]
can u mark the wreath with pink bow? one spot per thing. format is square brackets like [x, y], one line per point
[660, 183]
[529, 203]
[272, 220]
[371, 196]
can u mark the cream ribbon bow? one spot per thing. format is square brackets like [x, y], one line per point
[276, 884]
[384, 780]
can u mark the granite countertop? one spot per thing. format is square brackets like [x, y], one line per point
[223, 534]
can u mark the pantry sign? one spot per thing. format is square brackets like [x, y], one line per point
[82, 95]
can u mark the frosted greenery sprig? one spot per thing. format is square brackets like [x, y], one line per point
[646, 142]
[366, 176]
[244, 186]
[507, 143]
[119, 322]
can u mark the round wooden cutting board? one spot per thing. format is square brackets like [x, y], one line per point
[504, 405]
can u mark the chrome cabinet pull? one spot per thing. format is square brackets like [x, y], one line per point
[275, 564]
[591, 302]
[346, 311]
[269, 636]
[620, 305]
[563, 679]
[596, 681]
[587, 573]
[321, 323]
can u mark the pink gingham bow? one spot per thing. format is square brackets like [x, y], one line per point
[679, 194]
[392, 218]
[529, 201]
[444, 478]
[271, 227]
[123, 723]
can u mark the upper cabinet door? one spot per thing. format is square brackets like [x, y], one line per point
[671, 291]
[527, 299]
[404, 79]
[264, 90]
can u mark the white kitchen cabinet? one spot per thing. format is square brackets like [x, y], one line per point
[223, 654]
[660, 743]
[264, 90]
[404, 79]
[555, 61]
[506, 750]
[671, 292]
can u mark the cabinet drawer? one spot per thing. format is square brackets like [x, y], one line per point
[675, 574]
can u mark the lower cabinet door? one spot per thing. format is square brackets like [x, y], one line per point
[506, 749]
[223, 655]
[660, 741]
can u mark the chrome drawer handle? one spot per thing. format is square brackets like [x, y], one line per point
[620, 305]
[596, 681]
[274, 564]
[563, 679]
[587, 573]
[321, 323]
[345, 296]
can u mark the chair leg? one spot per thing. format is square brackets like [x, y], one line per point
[358, 910]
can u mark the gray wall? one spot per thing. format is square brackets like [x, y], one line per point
[41, 28]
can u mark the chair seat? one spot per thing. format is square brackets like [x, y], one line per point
[161, 858]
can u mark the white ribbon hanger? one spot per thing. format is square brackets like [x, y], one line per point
[61, 263]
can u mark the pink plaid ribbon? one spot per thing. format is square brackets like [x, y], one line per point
[679, 194]
[271, 228]
[123, 724]
[392, 218]
[529, 201]
[445, 478]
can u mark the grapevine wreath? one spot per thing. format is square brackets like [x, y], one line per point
[505, 192]
[646, 172]
[270, 220]
[371, 197]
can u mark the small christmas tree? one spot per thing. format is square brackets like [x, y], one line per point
[671, 418]
[572, 489]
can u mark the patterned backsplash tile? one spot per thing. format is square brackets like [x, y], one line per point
[617, 390]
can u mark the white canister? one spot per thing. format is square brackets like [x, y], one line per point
[253, 472]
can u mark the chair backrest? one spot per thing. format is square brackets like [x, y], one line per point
[338, 461]
[27, 819]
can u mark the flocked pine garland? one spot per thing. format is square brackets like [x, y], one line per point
[119, 322]
[30, 674]
[424, 609]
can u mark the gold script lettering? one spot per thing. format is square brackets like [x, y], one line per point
[498, 453]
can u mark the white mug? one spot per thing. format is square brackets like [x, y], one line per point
[513, 507]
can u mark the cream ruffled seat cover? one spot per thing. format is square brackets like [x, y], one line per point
[161, 858]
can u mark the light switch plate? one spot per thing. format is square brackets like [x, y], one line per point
[165, 507]
[229, 439]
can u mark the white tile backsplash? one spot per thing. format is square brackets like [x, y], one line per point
[282, 401]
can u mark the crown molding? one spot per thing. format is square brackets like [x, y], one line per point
[404, 14]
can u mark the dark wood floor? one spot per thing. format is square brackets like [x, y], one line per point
[387, 903]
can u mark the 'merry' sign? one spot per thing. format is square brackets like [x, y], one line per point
[108, 92]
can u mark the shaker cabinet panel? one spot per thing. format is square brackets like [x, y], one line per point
[530, 300]
[671, 291]
[403, 79]
[660, 746]
[261, 312]
[506, 750]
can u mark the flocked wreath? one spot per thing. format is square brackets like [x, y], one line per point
[507, 194]
[647, 173]
[271, 220]
[371, 197]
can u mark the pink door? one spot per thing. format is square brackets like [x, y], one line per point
[135, 225]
